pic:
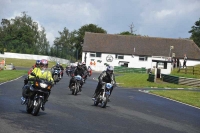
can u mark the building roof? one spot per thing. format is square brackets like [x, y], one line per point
[138, 45]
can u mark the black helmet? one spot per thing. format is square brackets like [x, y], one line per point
[109, 70]
[37, 63]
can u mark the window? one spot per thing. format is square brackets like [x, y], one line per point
[143, 58]
[119, 56]
[98, 54]
[92, 55]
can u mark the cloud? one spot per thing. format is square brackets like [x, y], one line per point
[159, 18]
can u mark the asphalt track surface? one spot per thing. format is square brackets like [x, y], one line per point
[130, 111]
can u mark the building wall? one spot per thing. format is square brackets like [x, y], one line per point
[134, 62]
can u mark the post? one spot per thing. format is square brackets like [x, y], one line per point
[76, 54]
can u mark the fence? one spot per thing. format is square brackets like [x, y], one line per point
[194, 70]
[129, 70]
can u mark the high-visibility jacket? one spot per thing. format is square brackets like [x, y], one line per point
[43, 75]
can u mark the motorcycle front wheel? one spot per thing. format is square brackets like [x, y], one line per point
[36, 106]
[104, 101]
[29, 106]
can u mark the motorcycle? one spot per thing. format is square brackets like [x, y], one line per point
[89, 72]
[68, 72]
[103, 96]
[84, 77]
[76, 86]
[56, 75]
[36, 96]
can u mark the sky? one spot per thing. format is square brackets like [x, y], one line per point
[153, 18]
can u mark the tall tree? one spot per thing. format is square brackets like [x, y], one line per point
[81, 33]
[21, 35]
[196, 32]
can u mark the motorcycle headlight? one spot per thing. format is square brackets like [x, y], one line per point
[108, 85]
[43, 85]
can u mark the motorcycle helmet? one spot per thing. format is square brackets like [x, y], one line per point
[43, 64]
[109, 70]
[37, 63]
[79, 65]
[57, 64]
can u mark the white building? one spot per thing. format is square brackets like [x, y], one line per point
[135, 51]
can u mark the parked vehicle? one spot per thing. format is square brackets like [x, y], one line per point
[38, 91]
[104, 95]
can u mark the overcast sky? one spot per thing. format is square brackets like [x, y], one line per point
[155, 18]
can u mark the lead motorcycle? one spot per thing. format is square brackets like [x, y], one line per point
[38, 90]
[103, 96]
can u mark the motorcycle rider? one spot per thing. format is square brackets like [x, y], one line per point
[78, 71]
[38, 72]
[85, 70]
[37, 64]
[89, 70]
[106, 76]
[58, 66]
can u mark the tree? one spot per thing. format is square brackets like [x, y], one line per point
[81, 33]
[126, 33]
[22, 35]
[196, 33]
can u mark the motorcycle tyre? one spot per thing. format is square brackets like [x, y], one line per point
[76, 89]
[104, 103]
[96, 101]
[36, 108]
[29, 106]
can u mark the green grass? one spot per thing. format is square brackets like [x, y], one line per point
[188, 97]
[137, 80]
[6, 75]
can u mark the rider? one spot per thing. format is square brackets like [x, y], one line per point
[78, 71]
[106, 76]
[38, 72]
[58, 66]
[37, 64]
[85, 70]
[84, 67]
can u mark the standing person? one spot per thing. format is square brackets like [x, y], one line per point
[106, 76]
[184, 61]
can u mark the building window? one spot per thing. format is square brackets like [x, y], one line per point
[143, 58]
[92, 55]
[119, 56]
[98, 54]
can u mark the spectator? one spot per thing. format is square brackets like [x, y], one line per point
[184, 61]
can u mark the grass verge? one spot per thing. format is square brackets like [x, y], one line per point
[135, 80]
[6, 75]
[188, 97]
